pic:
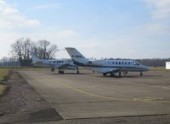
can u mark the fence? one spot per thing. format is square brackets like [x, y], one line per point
[9, 64]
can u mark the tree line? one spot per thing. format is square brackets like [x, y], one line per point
[154, 62]
[22, 47]
[43, 49]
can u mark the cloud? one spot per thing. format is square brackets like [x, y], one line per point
[144, 41]
[48, 6]
[7, 38]
[161, 8]
[53, 35]
[61, 38]
[11, 18]
[156, 29]
[158, 25]
[69, 34]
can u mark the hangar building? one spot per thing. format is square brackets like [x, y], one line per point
[168, 65]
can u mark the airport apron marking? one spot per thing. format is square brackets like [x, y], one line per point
[146, 99]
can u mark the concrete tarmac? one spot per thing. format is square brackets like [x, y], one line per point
[89, 95]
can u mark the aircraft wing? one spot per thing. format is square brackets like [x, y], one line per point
[67, 66]
[108, 70]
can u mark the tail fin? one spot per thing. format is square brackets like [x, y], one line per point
[35, 59]
[76, 56]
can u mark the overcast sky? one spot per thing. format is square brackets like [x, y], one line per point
[98, 28]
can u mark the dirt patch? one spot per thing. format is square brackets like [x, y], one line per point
[22, 104]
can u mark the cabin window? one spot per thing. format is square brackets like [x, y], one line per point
[119, 63]
[125, 63]
[122, 63]
[129, 63]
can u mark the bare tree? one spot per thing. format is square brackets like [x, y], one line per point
[44, 44]
[26, 47]
[17, 48]
[51, 51]
[21, 49]
[44, 50]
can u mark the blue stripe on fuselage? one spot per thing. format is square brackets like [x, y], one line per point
[102, 66]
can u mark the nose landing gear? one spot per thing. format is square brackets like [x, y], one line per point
[61, 72]
[141, 74]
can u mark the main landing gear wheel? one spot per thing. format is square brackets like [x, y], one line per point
[112, 74]
[120, 74]
[125, 73]
[61, 72]
[78, 71]
[104, 74]
[52, 69]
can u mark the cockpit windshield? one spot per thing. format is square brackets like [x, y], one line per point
[135, 63]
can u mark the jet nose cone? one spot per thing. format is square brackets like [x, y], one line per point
[147, 68]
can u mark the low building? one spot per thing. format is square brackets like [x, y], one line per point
[168, 65]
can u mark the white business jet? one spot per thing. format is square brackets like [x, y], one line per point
[60, 64]
[108, 66]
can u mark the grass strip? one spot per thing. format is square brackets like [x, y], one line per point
[3, 73]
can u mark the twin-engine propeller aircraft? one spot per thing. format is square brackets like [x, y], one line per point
[107, 66]
[60, 64]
